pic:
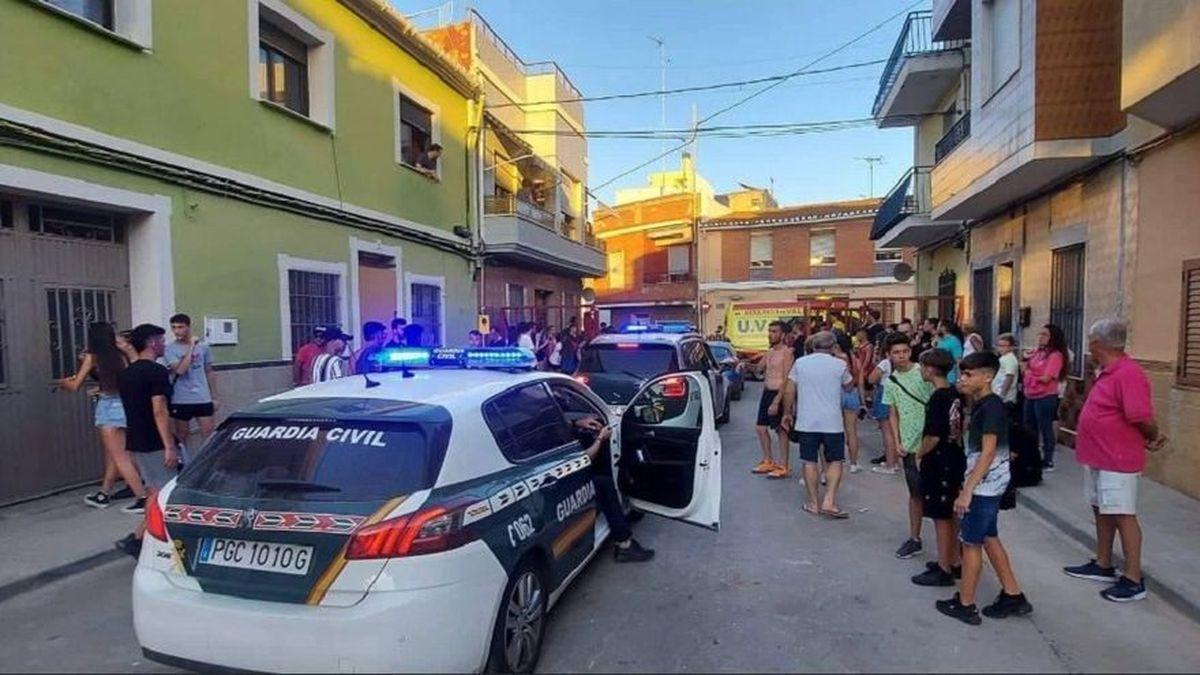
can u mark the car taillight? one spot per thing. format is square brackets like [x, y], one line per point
[156, 526]
[674, 387]
[428, 531]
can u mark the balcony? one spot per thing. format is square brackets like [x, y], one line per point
[903, 218]
[951, 19]
[521, 233]
[958, 133]
[918, 74]
[667, 278]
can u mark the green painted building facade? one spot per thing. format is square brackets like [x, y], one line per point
[149, 118]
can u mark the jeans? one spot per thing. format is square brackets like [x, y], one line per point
[1040, 414]
[610, 505]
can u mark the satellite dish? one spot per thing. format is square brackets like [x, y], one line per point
[589, 296]
[902, 271]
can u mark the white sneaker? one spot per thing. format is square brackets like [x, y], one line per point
[855, 468]
[885, 470]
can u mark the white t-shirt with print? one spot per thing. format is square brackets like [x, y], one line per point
[1008, 366]
[820, 380]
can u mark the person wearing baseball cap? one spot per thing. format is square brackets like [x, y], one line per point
[302, 363]
[330, 365]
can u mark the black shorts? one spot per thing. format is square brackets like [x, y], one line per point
[941, 481]
[765, 419]
[185, 412]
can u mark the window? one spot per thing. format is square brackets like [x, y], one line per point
[947, 292]
[1187, 369]
[822, 245]
[1066, 300]
[516, 295]
[6, 214]
[679, 261]
[981, 302]
[68, 313]
[74, 224]
[616, 269]
[282, 68]
[1002, 35]
[888, 255]
[526, 422]
[695, 355]
[644, 360]
[425, 312]
[762, 254]
[99, 12]
[416, 134]
[313, 299]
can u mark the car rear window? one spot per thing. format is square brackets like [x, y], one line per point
[324, 460]
[634, 359]
[721, 352]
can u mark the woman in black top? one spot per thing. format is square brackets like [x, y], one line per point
[104, 359]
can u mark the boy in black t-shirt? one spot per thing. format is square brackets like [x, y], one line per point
[978, 504]
[942, 463]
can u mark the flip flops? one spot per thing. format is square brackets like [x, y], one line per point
[836, 514]
[809, 508]
[779, 473]
[765, 466]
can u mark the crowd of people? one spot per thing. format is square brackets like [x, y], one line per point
[965, 426]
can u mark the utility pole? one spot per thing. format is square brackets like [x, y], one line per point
[871, 161]
[662, 97]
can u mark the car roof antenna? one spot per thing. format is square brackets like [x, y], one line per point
[371, 384]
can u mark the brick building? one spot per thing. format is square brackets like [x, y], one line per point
[792, 254]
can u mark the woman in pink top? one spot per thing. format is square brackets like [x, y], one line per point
[1043, 370]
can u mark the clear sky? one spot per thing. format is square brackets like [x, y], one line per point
[604, 48]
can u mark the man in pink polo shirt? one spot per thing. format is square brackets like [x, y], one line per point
[1116, 428]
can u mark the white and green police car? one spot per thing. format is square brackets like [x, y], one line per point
[418, 520]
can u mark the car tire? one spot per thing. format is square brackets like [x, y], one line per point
[525, 595]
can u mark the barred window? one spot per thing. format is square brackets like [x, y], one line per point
[75, 224]
[1066, 300]
[313, 299]
[69, 311]
[1188, 367]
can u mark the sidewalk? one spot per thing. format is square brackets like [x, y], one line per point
[1170, 526]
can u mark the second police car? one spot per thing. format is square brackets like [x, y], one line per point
[422, 520]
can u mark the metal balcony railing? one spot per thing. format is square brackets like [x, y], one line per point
[535, 68]
[668, 278]
[912, 194]
[512, 206]
[958, 133]
[915, 38]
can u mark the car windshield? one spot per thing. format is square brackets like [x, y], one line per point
[721, 352]
[633, 359]
[322, 460]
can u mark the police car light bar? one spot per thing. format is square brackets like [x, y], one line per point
[438, 357]
[635, 328]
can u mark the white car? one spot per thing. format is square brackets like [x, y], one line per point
[422, 520]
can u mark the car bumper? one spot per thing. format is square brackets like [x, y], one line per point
[430, 629]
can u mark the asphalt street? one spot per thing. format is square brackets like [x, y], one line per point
[775, 590]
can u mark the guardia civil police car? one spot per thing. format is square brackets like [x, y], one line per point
[420, 520]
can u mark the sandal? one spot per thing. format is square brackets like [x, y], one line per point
[765, 466]
[811, 509]
[780, 472]
[835, 513]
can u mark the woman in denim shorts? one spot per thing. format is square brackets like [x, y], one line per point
[101, 364]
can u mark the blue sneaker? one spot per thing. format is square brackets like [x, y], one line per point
[1125, 590]
[1093, 572]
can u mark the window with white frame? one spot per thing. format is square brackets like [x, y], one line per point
[679, 261]
[313, 300]
[128, 20]
[762, 255]
[291, 61]
[1001, 23]
[888, 255]
[822, 246]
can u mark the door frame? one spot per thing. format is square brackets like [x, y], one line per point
[379, 248]
[429, 280]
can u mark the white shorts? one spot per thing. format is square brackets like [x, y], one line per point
[1111, 492]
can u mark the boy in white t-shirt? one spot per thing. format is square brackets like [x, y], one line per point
[1004, 384]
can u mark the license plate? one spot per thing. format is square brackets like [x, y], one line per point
[263, 556]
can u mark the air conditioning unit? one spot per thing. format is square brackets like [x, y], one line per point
[220, 330]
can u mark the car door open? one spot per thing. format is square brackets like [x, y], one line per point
[670, 452]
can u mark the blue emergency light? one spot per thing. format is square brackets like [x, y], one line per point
[444, 357]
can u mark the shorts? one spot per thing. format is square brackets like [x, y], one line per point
[765, 419]
[1112, 493]
[110, 412]
[912, 475]
[941, 480]
[150, 465]
[979, 522]
[811, 442]
[185, 412]
[880, 410]
[851, 401]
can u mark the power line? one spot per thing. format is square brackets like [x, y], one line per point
[783, 127]
[704, 66]
[693, 89]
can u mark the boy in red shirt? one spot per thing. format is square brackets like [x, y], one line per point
[1116, 427]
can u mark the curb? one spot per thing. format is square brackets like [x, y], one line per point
[1189, 607]
[46, 577]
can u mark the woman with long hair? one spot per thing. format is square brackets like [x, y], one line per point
[103, 361]
[1044, 368]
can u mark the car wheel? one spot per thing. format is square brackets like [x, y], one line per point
[520, 623]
